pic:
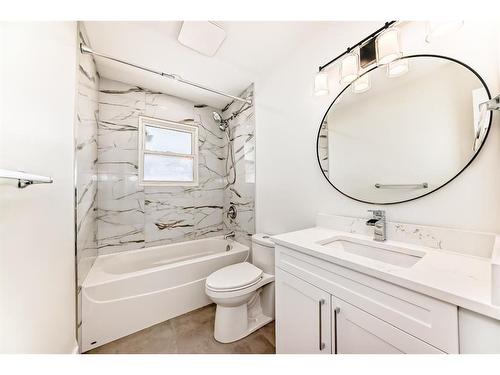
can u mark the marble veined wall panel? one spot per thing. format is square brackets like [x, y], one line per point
[86, 161]
[86, 167]
[131, 216]
[241, 194]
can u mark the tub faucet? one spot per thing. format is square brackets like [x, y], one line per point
[378, 224]
[230, 235]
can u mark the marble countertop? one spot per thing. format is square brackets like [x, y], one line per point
[460, 279]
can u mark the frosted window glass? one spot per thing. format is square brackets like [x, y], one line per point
[167, 140]
[167, 168]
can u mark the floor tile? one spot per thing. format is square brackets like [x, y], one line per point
[191, 333]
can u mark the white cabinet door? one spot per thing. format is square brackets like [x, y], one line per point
[303, 317]
[358, 332]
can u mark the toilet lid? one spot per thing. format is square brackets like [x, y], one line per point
[234, 276]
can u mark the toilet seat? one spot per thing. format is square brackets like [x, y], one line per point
[234, 277]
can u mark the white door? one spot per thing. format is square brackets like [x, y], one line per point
[357, 332]
[303, 317]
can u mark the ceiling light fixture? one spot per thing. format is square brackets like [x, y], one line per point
[204, 37]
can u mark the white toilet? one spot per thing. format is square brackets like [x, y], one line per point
[244, 293]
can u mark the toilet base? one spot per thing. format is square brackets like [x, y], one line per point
[225, 335]
[234, 323]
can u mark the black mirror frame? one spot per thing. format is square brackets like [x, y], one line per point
[439, 187]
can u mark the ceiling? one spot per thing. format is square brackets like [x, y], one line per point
[249, 50]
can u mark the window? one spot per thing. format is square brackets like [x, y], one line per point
[168, 153]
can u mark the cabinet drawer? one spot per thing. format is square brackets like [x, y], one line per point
[361, 333]
[431, 320]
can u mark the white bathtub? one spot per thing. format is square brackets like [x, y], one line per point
[126, 292]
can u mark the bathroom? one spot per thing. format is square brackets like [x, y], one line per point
[250, 187]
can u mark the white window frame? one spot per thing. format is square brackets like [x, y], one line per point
[169, 125]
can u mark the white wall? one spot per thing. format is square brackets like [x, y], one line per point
[290, 186]
[37, 251]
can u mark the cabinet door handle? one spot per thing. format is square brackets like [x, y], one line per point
[336, 311]
[321, 343]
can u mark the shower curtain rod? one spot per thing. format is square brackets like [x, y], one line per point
[85, 49]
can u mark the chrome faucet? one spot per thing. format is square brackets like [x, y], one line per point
[230, 235]
[378, 224]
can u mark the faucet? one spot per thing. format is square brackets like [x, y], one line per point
[230, 235]
[378, 224]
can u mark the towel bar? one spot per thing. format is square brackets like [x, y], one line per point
[423, 185]
[25, 179]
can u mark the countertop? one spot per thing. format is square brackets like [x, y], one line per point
[460, 279]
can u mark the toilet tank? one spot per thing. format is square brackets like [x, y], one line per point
[263, 252]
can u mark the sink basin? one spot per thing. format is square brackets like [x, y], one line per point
[397, 256]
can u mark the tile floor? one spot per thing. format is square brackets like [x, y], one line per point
[191, 333]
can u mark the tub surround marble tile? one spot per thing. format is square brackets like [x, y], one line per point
[121, 211]
[131, 216]
[242, 193]
[86, 160]
[86, 118]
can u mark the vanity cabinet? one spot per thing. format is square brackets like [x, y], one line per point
[303, 319]
[357, 332]
[365, 314]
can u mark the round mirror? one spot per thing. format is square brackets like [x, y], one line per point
[416, 126]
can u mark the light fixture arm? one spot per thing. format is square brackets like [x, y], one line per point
[349, 49]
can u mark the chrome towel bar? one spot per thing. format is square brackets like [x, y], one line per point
[423, 185]
[25, 179]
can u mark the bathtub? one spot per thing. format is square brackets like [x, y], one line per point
[129, 291]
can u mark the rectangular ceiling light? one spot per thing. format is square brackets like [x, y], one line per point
[204, 37]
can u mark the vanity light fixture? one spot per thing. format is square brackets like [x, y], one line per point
[352, 62]
[321, 84]
[349, 68]
[388, 48]
[397, 68]
[436, 29]
[362, 84]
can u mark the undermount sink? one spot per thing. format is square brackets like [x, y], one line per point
[381, 252]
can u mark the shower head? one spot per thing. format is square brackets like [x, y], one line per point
[217, 117]
[222, 123]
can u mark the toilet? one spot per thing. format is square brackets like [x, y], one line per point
[244, 293]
